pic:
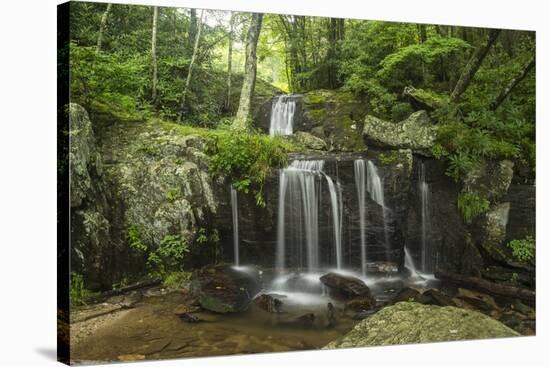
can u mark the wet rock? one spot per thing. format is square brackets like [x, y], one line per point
[222, 288]
[481, 301]
[435, 297]
[342, 286]
[268, 303]
[331, 315]
[406, 294]
[305, 320]
[186, 308]
[360, 304]
[382, 267]
[189, 317]
[411, 322]
[416, 133]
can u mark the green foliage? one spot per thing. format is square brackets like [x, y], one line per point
[177, 280]
[412, 63]
[172, 195]
[400, 111]
[247, 158]
[114, 83]
[77, 291]
[133, 237]
[389, 158]
[523, 250]
[471, 205]
[168, 255]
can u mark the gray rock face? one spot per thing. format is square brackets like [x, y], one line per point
[411, 322]
[308, 140]
[147, 176]
[416, 132]
[91, 229]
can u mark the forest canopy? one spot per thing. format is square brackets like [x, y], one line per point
[204, 67]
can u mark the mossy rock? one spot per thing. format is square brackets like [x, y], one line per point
[336, 116]
[412, 322]
[416, 132]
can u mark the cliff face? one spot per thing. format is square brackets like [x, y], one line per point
[137, 184]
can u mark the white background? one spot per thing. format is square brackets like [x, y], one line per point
[28, 186]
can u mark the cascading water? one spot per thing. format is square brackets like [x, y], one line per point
[235, 214]
[298, 215]
[424, 203]
[375, 188]
[360, 169]
[409, 264]
[282, 115]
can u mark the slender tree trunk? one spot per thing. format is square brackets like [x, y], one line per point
[473, 65]
[154, 56]
[193, 29]
[190, 70]
[513, 83]
[249, 80]
[229, 62]
[103, 26]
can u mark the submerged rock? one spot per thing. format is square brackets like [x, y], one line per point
[268, 303]
[406, 294]
[222, 288]
[416, 133]
[411, 322]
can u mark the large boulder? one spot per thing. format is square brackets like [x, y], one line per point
[411, 322]
[416, 133]
[224, 288]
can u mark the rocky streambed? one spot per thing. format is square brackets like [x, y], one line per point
[227, 311]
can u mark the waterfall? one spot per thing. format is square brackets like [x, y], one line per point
[298, 214]
[409, 264]
[282, 115]
[375, 187]
[336, 220]
[235, 213]
[424, 203]
[360, 173]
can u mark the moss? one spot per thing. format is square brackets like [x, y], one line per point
[317, 115]
[312, 98]
[390, 158]
[411, 322]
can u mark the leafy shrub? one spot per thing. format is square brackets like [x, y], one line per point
[133, 237]
[400, 111]
[177, 279]
[77, 292]
[471, 205]
[247, 158]
[523, 250]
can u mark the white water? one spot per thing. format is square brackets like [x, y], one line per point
[282, 115]
[424, 200]
[409, 264]
[235, 213]
[299, 195]
[360, 173]
[336, 221]
[375, 187]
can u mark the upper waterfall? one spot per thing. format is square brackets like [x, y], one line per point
[282, 115]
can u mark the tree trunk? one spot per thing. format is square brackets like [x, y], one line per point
[193, 29]
[102, 27]
[190, 70]
[249, 80]
[227, 105]
[473, 65]
[483, 285]
[512, 84]
[154, 56]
